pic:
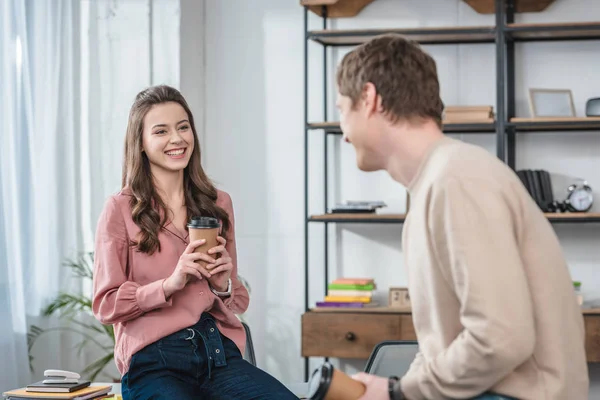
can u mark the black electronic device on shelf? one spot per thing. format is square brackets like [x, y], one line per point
[358, 207]
[592, 107]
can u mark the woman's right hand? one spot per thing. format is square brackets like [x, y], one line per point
[185, 267]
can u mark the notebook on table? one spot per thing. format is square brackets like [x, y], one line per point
[57, 387]
[86, 393]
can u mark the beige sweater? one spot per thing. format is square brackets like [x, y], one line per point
[493, 302]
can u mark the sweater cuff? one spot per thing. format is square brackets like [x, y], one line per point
[152, 296]
[409, 385]
[229, 299]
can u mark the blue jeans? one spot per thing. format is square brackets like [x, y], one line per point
[197, 363]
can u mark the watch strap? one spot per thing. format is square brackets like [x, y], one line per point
[394, 392]
[223, 294]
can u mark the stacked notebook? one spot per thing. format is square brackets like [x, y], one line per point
[81, 390]
[467, 114]
[349, 293]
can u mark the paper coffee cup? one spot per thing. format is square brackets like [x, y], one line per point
[204, 228]
[328, 383]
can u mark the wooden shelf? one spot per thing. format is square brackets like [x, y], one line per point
[448, 35]
[465, 127]
[400, 218]
[358, 218]
[336, 8]
[521, 6]
[375, 310]
[464, 34]
[520, 124]
[562, 31]
[555, 124]
[573, 217]
[395, 310]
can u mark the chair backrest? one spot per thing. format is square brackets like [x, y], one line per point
[249, 353]
[392, 357]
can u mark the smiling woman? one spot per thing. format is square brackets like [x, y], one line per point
[176, 331]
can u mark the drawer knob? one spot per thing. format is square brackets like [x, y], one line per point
[350, 336]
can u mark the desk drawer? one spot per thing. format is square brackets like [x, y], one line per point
[592, 337]
[355, 334]
[351, 335]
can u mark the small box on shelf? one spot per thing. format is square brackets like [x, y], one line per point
[399, 298]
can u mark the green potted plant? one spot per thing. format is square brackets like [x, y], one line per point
[70, 307]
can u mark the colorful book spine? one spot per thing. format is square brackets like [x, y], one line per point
[353, 281]
[339, 304]
[348, 299]
[344, 286]
[350, 292]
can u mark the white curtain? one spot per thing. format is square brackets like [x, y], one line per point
[130, 45]
[69, 71]
[39, 223]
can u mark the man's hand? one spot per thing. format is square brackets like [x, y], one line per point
[377, 387]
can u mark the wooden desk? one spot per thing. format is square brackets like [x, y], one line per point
[353, 333]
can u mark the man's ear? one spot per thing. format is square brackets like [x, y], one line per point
[370, 98]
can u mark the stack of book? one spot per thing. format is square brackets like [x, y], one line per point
[466, 114]
[349, 293]
[81, 390]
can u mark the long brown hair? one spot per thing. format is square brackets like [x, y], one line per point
[148, 210]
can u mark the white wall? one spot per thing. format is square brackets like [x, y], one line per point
[254, 148]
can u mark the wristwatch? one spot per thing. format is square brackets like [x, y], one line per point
[395, 393]
[223, 294]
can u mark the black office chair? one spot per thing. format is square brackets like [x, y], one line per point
[392, 357]
[249, 353]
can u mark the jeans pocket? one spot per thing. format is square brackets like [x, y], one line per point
[181, 357]
[144, 361]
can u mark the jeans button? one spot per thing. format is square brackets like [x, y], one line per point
[217, 351]
[212, 330]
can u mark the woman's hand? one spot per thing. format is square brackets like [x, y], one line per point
[186, 266]
[220, 270]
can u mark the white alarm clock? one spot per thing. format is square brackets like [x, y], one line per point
[579, 197]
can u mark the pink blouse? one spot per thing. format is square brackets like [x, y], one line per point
[128, 291]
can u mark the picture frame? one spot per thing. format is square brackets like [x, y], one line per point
[551, 103]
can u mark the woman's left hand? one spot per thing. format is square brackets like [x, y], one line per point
[220, 270]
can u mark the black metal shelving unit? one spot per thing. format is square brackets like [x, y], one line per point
[504, 35]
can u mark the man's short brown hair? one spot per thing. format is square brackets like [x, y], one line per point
[403, 74]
